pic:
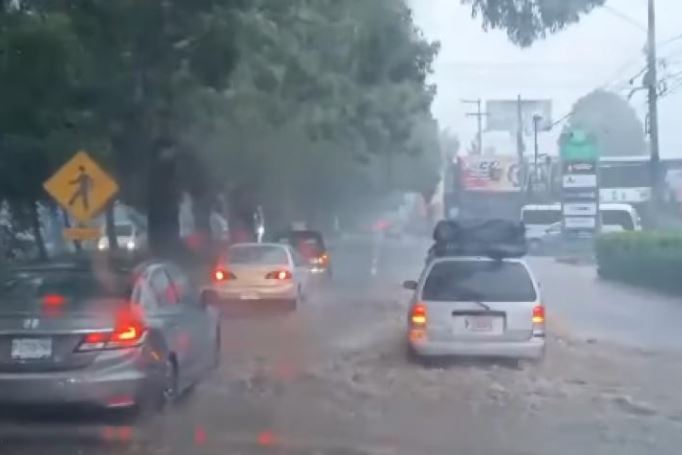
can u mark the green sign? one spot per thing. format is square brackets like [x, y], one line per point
[579, 147]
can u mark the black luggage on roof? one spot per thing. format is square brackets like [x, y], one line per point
[494, 238]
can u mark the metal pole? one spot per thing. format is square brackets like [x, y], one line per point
[480, 127]
[479, 114]
[652, 84]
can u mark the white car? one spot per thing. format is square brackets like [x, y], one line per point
[260, 272]
[128, 236]
[476, 307]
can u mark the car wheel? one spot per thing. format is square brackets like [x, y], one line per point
[169, 388]
[162, 395]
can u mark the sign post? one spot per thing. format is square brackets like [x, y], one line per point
[83, 189]
[580, 184]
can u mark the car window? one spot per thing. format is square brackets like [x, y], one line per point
[163, 289]
[123, 230]
[485, 281]
[541, 216]
[618, 218]
[257, 255]
[181, 283]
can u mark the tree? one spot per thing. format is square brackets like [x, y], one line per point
[39, 62]
[612, 121]
[529, 20]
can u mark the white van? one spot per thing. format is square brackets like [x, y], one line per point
[539, 219]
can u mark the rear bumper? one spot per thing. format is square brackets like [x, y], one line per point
[121, 384]
[246, 294]
[533, 348]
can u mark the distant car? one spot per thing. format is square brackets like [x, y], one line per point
[128, 236]
[100, 334]
[259, 272]
[310, 246]
[476, 306]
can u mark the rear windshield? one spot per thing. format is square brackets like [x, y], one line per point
[541, 216]
[307, 243]
[255, 255]
[75, 287]
[483, 281]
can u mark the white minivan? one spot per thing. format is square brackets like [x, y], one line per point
[543, 220]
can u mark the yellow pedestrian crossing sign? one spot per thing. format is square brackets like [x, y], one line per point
[81, 187]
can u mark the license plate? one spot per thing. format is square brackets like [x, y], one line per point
[479, 324]
[31, 348]
[249, 296]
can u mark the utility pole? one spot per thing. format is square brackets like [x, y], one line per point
[519, 129]
[479, 114]
[652, 85]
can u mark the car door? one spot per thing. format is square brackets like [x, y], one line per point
[174, 323]
[301, 269]
[200, 319]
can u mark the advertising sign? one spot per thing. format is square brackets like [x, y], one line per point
[490, 173]
[503, 115]
[580, 183]
[580, 209]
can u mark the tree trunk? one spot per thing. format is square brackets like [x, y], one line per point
[163, 210]
[35, 226]
[111, 227]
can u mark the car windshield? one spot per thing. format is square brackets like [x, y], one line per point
[621, 218]
[482, 281]
[123, 230]
[257, 255]
[541, 217]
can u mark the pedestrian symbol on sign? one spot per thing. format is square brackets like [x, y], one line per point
[84, 185]
[81, 187]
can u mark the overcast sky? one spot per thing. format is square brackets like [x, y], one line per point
[605, 48]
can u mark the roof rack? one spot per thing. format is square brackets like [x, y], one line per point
[494, 238]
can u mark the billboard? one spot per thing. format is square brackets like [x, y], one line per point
[498, 174]
[502, 115]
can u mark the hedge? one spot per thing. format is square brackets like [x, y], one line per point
[648, 258]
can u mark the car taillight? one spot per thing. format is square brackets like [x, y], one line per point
[539, 314]
[279, 275]
[418, 315]
[129, 331]
[223, 275]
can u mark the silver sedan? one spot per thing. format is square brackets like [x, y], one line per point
[91, 333]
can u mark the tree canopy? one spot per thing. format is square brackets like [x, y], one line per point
[613, 123]
[526, 21]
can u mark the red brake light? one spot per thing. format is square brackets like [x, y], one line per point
[128, 332]
[53, 300]
[279, 275]
[539, 314]
[418, 314]
[223, 275]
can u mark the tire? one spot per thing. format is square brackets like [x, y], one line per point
[162, 397]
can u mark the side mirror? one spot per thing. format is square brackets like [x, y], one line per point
[410, 285]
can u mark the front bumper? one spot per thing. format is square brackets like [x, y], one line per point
[532, 349]
[119, 384]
